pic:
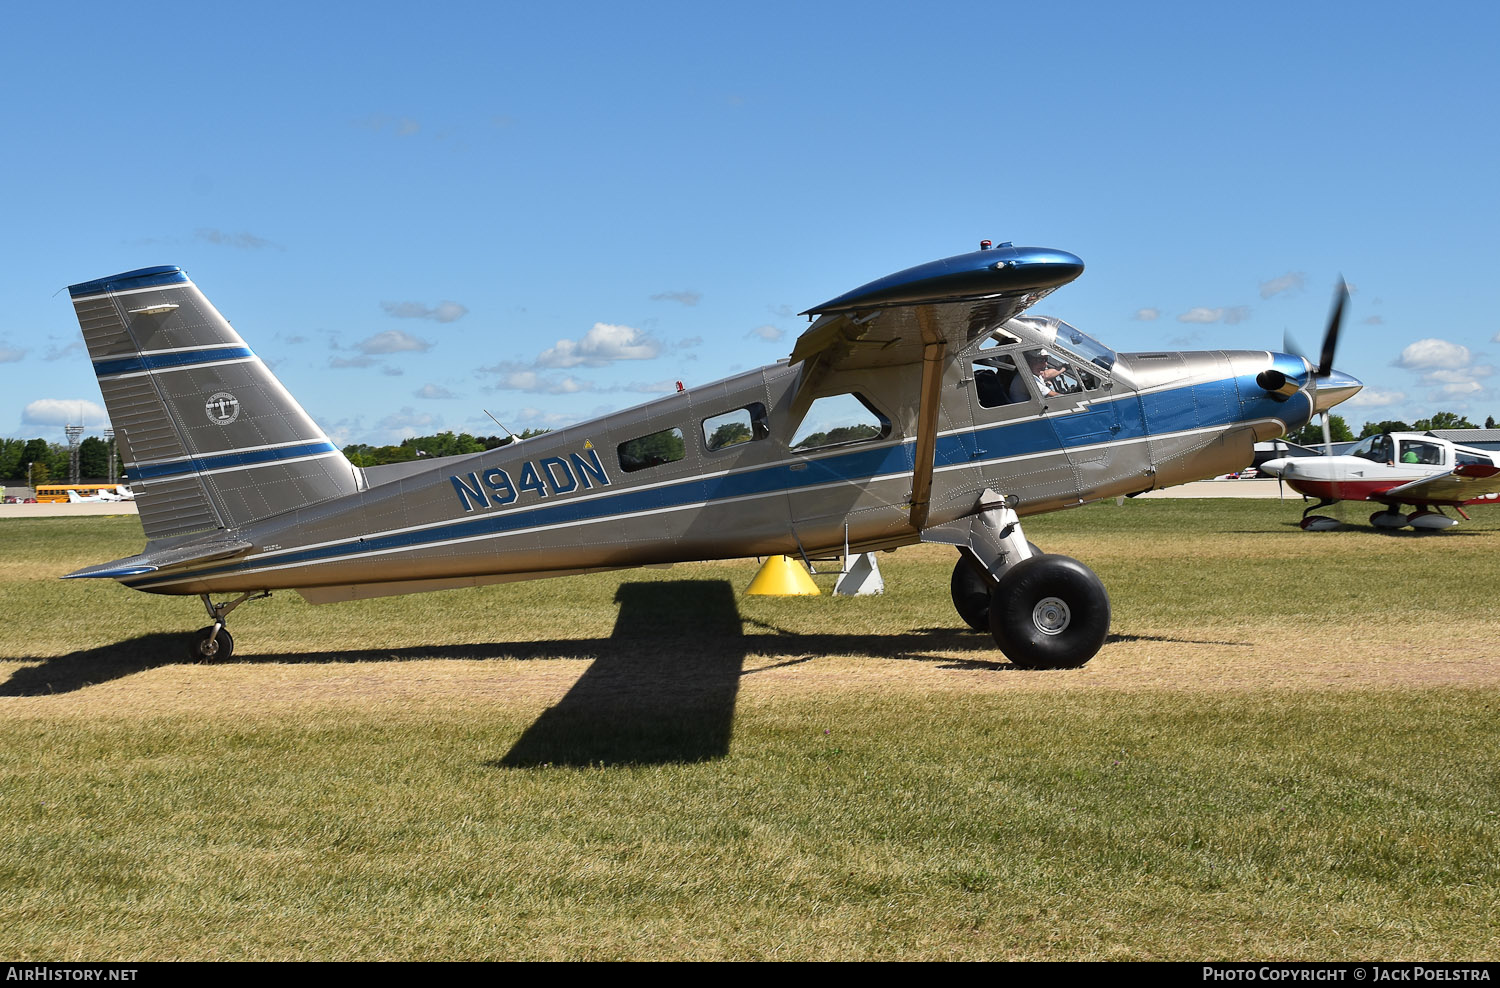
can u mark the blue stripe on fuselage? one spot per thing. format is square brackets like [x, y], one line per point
[989, 445]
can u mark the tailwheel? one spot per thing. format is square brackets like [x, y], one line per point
[206, 646]
[970, 589]
[1049, 612]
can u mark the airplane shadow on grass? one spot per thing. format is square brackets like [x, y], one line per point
[660, 689]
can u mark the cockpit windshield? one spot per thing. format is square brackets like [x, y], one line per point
[1068, 338]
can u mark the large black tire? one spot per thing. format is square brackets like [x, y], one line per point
[1049, 612]
[199, 649]
[971, 588]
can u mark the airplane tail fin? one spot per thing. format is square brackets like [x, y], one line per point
[209, 436]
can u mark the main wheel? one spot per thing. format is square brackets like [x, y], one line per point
[970, 589]
[1049, 612]
[204, 647]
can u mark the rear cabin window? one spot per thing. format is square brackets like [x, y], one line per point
[742, 425]
[996, 382]
[661, 447]
[1428, 454]
[839, 420]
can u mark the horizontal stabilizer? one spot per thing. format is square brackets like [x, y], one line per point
[165, 558]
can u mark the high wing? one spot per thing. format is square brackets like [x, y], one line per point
[921, 315]
[1457, 486]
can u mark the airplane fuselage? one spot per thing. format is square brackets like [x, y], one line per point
[564, 502]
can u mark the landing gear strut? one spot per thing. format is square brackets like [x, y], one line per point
[1318, 523]
[1045, 611]
[214, 643]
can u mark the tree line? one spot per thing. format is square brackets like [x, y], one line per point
[1311, 434]
[48, 462]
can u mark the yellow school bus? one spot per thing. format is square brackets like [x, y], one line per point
[58, 493]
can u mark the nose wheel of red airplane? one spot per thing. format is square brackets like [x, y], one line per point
[970, 588]
[1049, 612]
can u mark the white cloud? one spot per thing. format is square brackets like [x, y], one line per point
[1374, 321]
[1147, 314]
[689, 342]
[433, 391]
[392, 371]
[1433, 353]
[662, 387]
[1457, 376]
[768, 333]
[1201, 314]
[445, 311]
[62, 352]
[248, 241]
[409, 422]
[10, 354]
[534, 383]
[686, 298]
[1229, 316]
[63, 411]
[535, 418]
[601, 345]
[1375, 398]
[1456, 389]
[1292, 281]
[352, 361]
[392, 341]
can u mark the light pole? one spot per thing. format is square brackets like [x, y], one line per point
[28, 480]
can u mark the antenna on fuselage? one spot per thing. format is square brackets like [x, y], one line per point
[513, 437]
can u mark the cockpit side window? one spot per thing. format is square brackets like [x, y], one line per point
[1367, 449]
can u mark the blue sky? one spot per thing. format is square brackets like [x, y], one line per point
[418, 212]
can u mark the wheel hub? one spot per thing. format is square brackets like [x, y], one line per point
[1051, 616]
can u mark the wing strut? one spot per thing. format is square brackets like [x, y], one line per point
[934, 349]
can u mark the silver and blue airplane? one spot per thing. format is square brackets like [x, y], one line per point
[925, 406]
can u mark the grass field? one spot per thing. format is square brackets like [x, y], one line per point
[1287, 749]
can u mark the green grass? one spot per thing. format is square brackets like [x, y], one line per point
[666, 769]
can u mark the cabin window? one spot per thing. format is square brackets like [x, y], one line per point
[732, 428]
[1428, 454]
[838, 420]
[661, 447]
[996, 382]
[1469, 459]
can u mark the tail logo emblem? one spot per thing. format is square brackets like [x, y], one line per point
[222, 408]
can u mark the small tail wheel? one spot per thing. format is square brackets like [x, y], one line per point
[1049, 612]
[206, 647]
[970, 589]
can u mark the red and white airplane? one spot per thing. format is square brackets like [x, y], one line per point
[1394, 469]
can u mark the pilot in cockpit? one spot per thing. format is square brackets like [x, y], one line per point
[1043, 375]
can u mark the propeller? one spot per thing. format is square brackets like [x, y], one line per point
[1336, 387]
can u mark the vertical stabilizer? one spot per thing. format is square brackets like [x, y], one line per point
[209, 436]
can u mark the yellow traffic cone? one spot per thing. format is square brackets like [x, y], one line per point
[783, 576]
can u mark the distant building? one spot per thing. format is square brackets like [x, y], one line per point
[1478, 438]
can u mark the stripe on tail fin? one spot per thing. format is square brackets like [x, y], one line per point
[209, 436]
